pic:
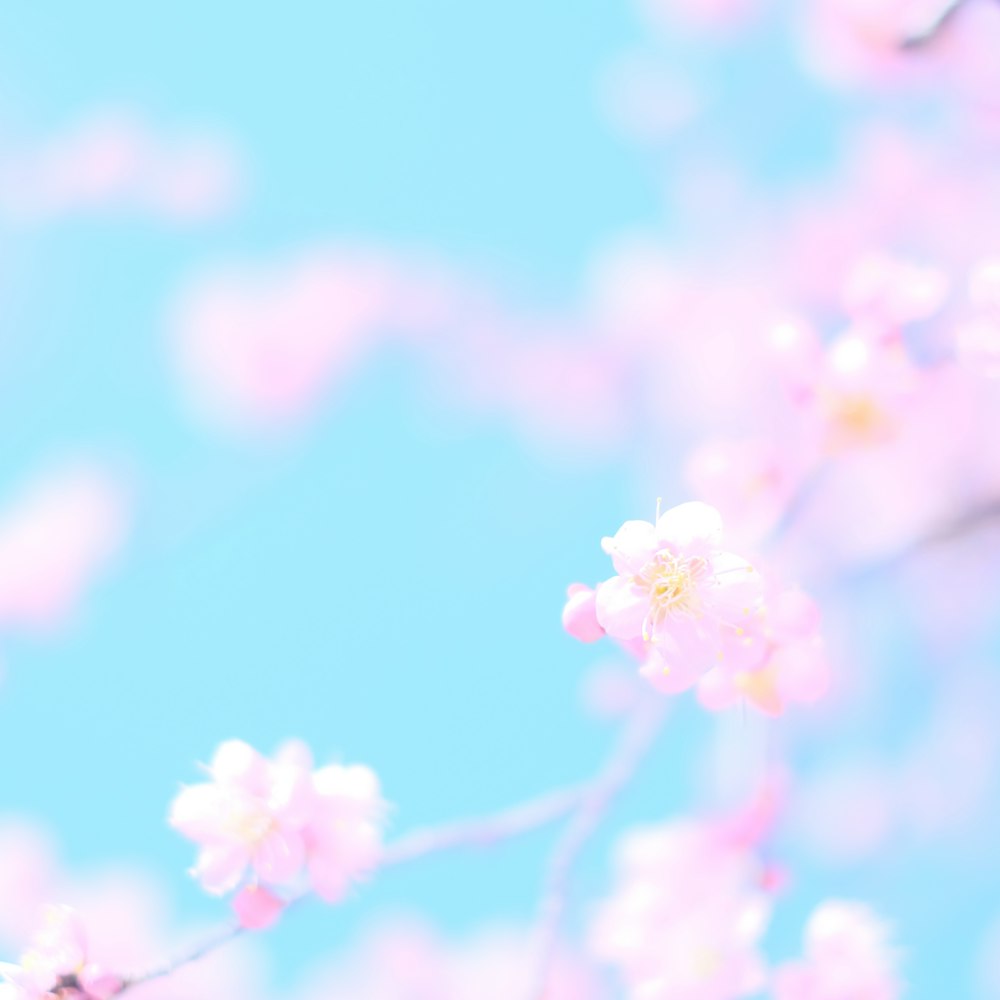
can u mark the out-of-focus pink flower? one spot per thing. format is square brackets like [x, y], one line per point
[248, 820]
[262, 349]
[792, 664]
[126, 915]
[862, 389]
[114, 161]
[750, 481]
[685, 918]
[848, 956]
[57, 964]
[678, 590]
[977, 337]
[279, 823]
[344, 834]
[55, 538]
[891, 292]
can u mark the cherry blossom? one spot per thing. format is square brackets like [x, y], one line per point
[792, 664]
[678, 590]
[848, 956]
[56, 965]
[686, 915]
[281, 824]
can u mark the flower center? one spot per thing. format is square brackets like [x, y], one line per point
[671, 582]
[858, 418]
[250, 823]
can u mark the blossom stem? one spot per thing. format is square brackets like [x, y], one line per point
[486, 831]
[635, 742]
[971, 520]
[221, 937]
[937, 24]
[480, 832]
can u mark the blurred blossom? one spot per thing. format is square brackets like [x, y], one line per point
[848, 956]
[124, 916]
[686, 915]
[263, 347]
[116, 162]
[58, 535]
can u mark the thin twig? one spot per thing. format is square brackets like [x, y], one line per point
[929, 32]
[484, 832]
[221, 937]
[637, 739]
[964, 524]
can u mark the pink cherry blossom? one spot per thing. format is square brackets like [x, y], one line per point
[686, 915]
[261, 347]
[57, 964]
[848, 956]
[56, 537]
[751, 482]
[863, 389]
[791, 666]
[892, 292]
[280, 823]
[678, 590]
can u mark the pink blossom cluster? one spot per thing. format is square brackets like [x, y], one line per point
[694, 613]
[129, 923]
[57, 965]
[686, 916]
[848, 956]
[271, 826]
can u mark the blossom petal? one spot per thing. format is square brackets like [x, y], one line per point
[633, 545]
[621, 607]
[690, 527]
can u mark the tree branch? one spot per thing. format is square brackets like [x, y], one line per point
[971, 520]
[636, 741]
[929, 32]
[474, 833]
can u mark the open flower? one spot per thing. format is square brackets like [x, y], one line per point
[278, 823]
[678, 590]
